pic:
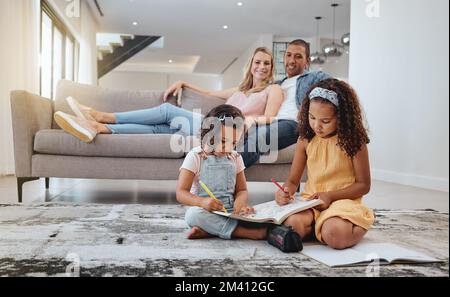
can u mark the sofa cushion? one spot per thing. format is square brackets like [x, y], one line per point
[284, 156]
[57, 142]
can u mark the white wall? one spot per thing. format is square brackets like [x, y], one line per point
[234, 75]
[88, 47]
[157, 81]
[399, 67]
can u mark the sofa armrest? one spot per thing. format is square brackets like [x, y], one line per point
[29, 113]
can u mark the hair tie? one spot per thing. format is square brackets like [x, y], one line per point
[329, 95]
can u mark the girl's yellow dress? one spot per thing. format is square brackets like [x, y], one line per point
[331, 169]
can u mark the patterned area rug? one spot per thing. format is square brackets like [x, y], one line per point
[54, 239]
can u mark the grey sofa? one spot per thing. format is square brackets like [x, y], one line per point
[42, 150]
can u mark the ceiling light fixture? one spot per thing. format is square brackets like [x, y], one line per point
[240, 4]
[345, 40]
[135, 23]
[318, 58]
[170, 61]
[225, 27]
[333, 49]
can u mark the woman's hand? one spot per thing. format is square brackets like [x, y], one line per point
[241, 207]
[325, 198]
[283, 197]
[211, 204]
[176, 89]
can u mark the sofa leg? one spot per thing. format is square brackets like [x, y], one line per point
[20, 182]
[47, 183]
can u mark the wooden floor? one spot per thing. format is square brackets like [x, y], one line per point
[382, 196]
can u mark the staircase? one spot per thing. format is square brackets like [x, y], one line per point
[115, 49]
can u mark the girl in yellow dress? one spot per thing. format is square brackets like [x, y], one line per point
[333, 146]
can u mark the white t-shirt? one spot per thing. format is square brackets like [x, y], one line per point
[192, 162]
[289, 110]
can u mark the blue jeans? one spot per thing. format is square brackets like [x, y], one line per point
[217, 225]
[287, 136]
[163, 119]
[212, 223]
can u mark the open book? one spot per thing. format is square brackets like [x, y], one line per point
[271, 212]
[365, 253]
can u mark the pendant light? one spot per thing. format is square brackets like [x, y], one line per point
[333, 49]
[345, 40]
[318, 58]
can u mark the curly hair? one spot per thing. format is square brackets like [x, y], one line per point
[222, 115]
[352, 129]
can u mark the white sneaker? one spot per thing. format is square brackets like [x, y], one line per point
[75, 126]
[80, 110]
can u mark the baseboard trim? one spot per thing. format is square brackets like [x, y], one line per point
[420, 181]
[7, 174]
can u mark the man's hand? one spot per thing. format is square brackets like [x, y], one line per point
[325, 198]
[283, 197]
[176, 89]
[211, 204]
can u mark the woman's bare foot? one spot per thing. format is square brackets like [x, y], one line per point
[99, 127]
[102, 117]
[197, 233]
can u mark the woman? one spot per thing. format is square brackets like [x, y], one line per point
[256, 97]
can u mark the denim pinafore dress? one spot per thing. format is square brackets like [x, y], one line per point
[219, 175]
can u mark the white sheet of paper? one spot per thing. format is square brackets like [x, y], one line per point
[271, 209]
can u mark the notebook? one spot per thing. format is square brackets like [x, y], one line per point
[365, 253]
[271, 212]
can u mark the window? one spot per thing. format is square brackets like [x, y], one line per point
[70, 59]
[59, 52]
[279, 49]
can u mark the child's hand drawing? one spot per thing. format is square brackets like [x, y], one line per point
[325, 198]
[283, 197]
[212, 204]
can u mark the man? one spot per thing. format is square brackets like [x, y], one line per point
[295, 86]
